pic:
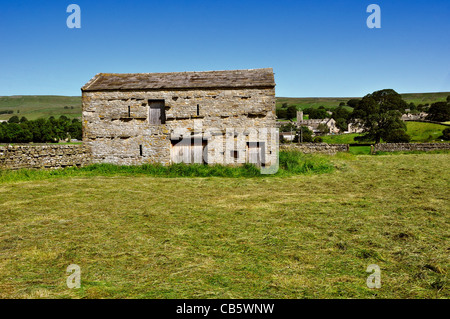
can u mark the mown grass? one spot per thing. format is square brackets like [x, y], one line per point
[290, 163]
[301, 236]
[359, 150]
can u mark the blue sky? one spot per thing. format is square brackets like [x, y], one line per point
[316, 48]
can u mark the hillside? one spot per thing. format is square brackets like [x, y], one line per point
[35, 106]
[416, 98]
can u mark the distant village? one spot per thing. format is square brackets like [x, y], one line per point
[289, 129]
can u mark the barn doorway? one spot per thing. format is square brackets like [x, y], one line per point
[189, 150]
[157, 114]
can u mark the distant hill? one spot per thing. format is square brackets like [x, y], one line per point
[35, 106]
[416, 98]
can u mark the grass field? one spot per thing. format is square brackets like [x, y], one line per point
[33, 107]
[419, 132]
[424, 132]
[340, 139]
[303, 236]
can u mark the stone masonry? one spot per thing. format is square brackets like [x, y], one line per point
[323, 148]
[396, 147]
[123, 124]
[43, 156]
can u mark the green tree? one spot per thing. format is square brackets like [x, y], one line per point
[289, 127]
[446, 134]
[379, 114]
[281, 113]
[304, 134]
[323, 128]
[439, 112]
[353, 102]
[341, 116]
[314, 113]
[291, 112]
[342, 124]
[14, 119]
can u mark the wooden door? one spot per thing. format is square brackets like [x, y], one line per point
[156, 112]
[187, 151]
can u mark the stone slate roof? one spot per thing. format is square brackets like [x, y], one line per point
[182, 80]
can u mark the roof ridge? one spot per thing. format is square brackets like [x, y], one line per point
[263, 77]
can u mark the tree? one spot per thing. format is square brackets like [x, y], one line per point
[448, 99]
[341, 124]
[353, 102]
[14, 119]
[379, 115]
[341, 116]
[314, 113]
[446, 134]
[289, 127]
[342, 104]
[23, 119]
[439, 112]
[281, 113]
[304, 134]
[291, 112]
[323, 128]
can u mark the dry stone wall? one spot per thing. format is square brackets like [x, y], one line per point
[323, 148]
[396, 147]
[43, 156]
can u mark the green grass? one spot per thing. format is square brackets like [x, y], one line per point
[303, 236]
[340, 139]
[424, 132]
[290, 163]
[359, 150]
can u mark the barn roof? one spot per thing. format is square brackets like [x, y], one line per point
[182, 80]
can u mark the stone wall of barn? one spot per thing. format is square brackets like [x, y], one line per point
[116, 128]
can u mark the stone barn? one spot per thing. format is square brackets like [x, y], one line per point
[225, 117]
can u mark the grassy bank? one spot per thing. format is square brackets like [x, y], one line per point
[290, 163]
[302, 236]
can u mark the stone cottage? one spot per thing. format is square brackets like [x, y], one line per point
[209, 117]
